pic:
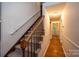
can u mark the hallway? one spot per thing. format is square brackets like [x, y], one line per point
[39, 29]
[55, 48]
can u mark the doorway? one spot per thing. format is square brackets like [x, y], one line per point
[55, 28]
[55, 22]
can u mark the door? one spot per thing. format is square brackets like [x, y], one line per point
[55, 27]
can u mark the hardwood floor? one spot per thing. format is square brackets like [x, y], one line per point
[55, 48]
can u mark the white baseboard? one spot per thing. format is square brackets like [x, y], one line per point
[46, 50]
[64, 51]
[71, 42]
[68, 39]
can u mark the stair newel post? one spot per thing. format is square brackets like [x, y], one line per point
[31, 46]
[23, 45]
[28, 50]
[34, 43]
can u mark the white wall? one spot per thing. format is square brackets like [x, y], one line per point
[14, 15]
[48, 4]
[70, 21]
[47, 36]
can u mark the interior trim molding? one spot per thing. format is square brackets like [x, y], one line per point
[24, 23]
[46, 50]
[64, 51]
[68, 39]
[46, 46]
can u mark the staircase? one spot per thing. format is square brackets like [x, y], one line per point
[30, 44]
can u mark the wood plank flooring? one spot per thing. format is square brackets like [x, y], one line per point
[55, 48]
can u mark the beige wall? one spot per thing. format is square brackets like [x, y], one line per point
[70, 21]
[47, 36]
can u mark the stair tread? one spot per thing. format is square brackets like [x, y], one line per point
[18, 47]
[39, 42]
[15, 54]
[36, 51]
[38, 32]
[18, 53]
[37, 37]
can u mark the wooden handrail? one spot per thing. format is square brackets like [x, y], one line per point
[26, 40]
[34, 29]
[24, 24]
